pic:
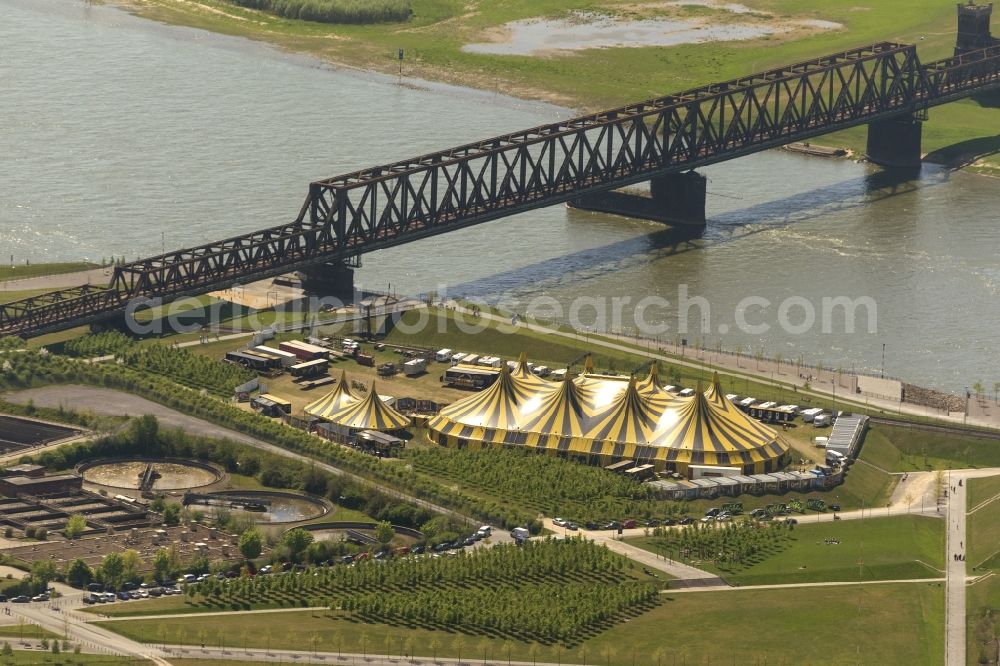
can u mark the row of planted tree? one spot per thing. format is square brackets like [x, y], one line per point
[544, 590]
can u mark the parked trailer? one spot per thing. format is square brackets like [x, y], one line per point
[809, 414]
[473, 378]
[303, 350]
[287, 358]
[415, 367]
[313, 368]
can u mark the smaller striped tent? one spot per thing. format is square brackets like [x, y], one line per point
[333, 401]
[369, 413]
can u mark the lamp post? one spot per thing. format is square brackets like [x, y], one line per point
[965, 417]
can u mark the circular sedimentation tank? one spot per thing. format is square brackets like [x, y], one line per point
[173, 474]
[263, 505]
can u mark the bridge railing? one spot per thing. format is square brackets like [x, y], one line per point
[945, 80]
[39, 312]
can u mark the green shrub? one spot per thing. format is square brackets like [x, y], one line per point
[335, 11]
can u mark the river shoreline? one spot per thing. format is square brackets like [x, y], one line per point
[502, 78]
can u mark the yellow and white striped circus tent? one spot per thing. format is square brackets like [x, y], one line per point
[609, 419]
[369, 413]
[334, 401]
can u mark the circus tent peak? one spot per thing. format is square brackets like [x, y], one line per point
[370, 413]
[338, 398]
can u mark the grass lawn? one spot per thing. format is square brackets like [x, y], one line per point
[982, 603]
[983, 527]
[980, 490]
[20, 272]
[30, 631]
[603, 77]
[893, 548]
[781, 622]
[898, 449]
[38, 658]
[11, 296]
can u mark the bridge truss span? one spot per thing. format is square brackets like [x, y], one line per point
[345, 216]
[557, 162]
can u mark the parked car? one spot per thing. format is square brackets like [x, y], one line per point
[834, 507]
[21, 599]
[125, 595]
[669, 521]
[559, 521]
[3, 598]
[417, 550]
[713, 512]
[630, 524]
[686, 520]
[708, 519]
[571, 526]
[40, 597]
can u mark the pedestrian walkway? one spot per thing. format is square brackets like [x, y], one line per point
[954, 640]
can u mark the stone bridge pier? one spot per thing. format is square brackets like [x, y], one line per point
[676, 198]
[896, 142]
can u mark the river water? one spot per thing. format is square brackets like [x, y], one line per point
[121, 136]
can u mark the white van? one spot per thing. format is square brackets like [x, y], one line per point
[443, 356]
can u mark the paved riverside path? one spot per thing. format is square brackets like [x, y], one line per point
[96, 276]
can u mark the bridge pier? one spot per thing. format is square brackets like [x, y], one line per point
[329, 280]
[676, 198]
[895, 142]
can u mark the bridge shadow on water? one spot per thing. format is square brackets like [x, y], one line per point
[729, 227]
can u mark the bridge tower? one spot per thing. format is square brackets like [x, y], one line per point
[974, 27]
[674, 198]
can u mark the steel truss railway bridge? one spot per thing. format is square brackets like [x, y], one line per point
[662, 140]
